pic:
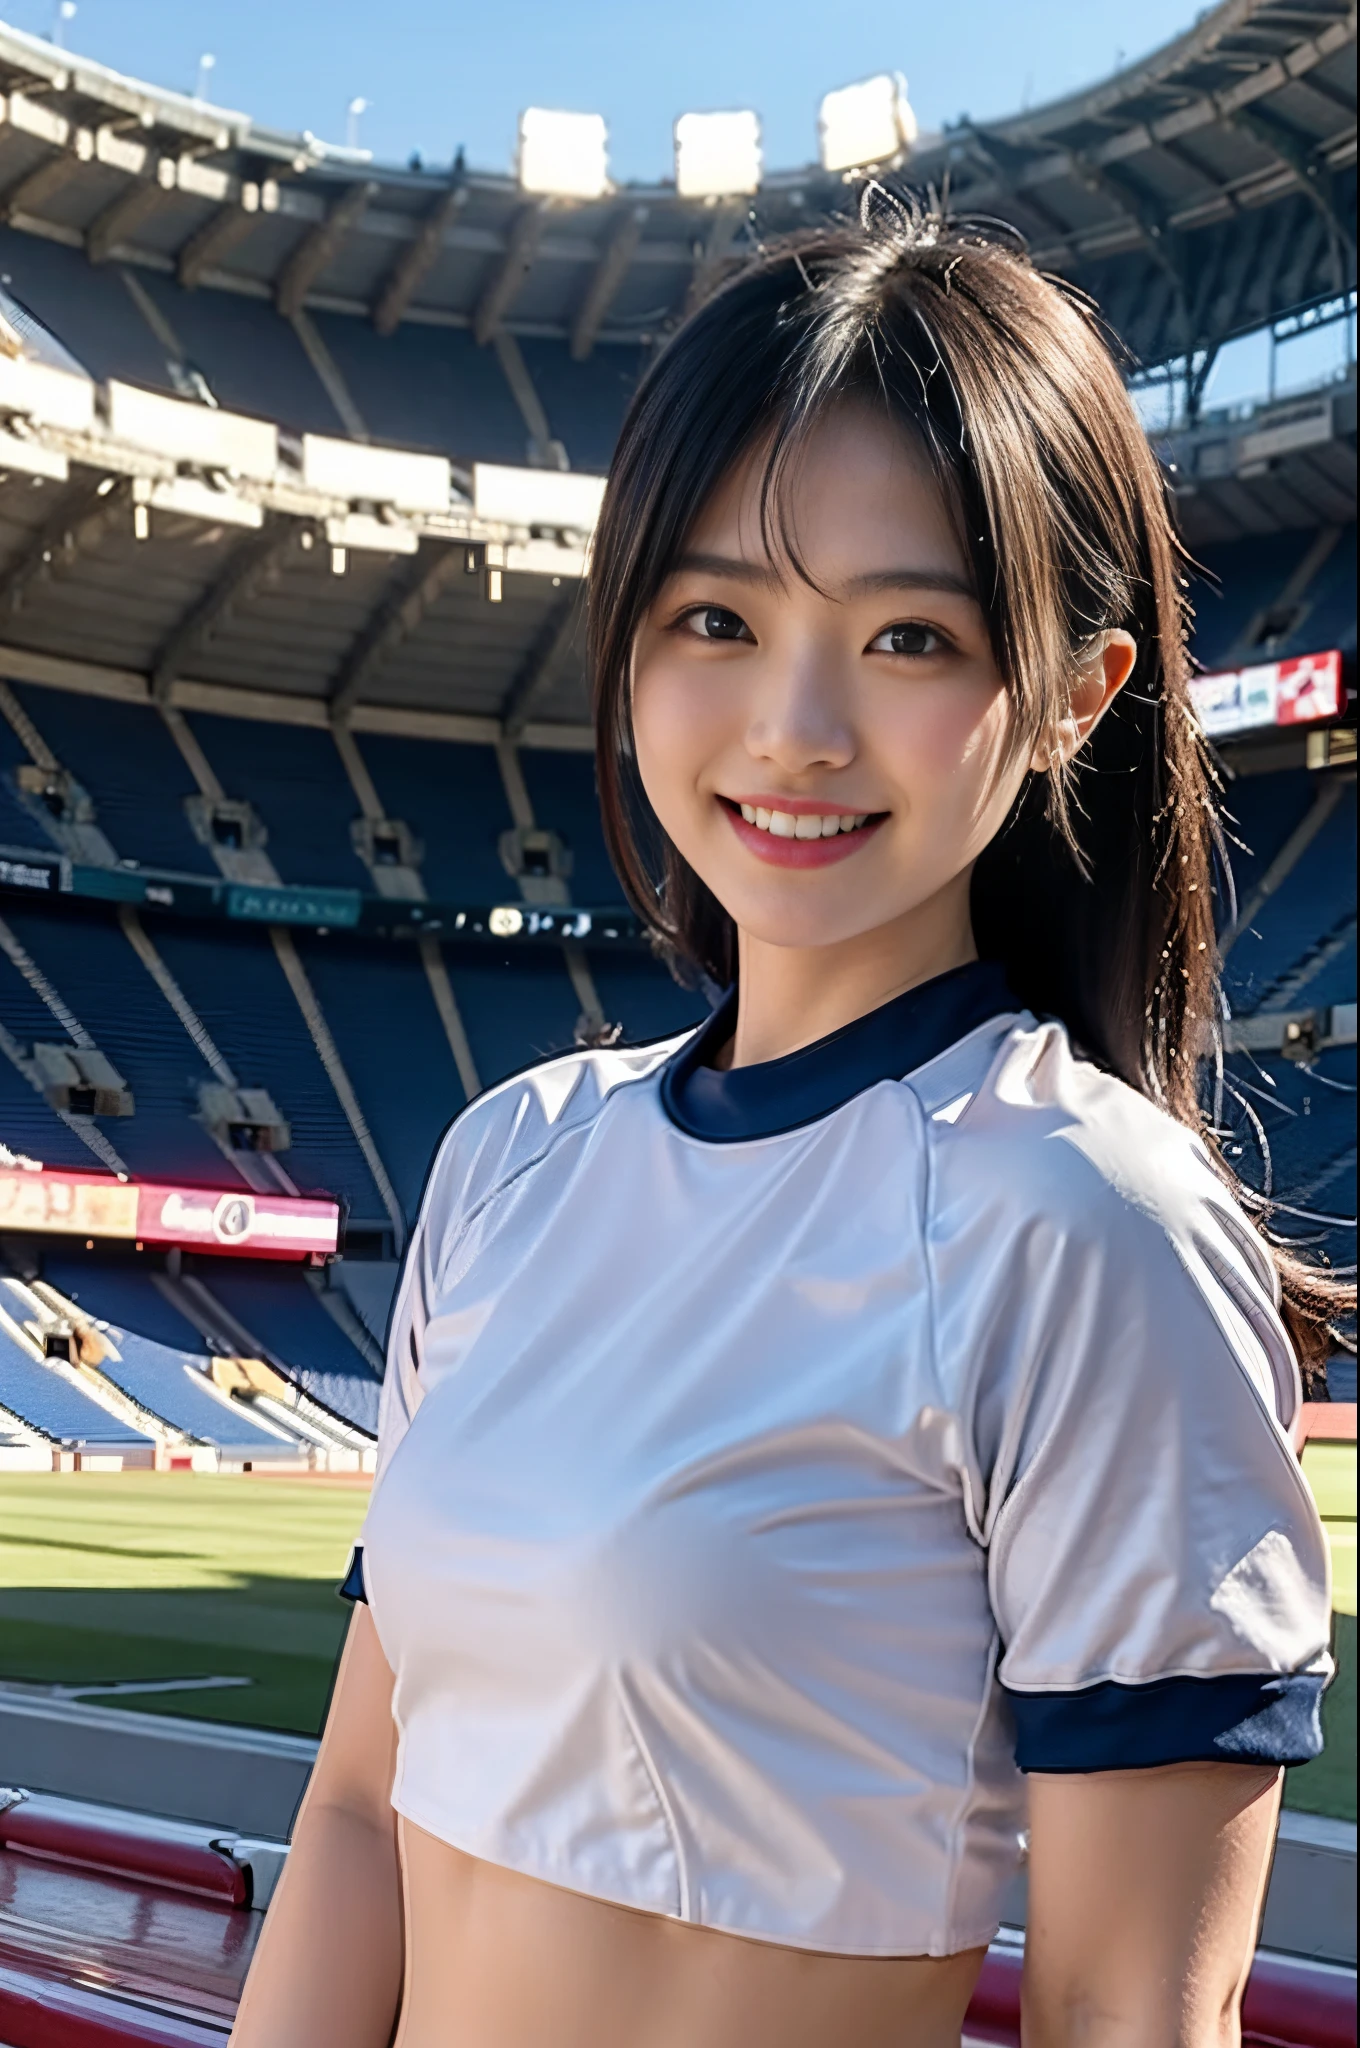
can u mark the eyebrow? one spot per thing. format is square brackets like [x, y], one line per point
[738, 570]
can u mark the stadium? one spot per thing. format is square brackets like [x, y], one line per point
[300, 458]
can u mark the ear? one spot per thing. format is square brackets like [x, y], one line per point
[1103, 667]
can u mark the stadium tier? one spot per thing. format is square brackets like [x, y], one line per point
[299, 458]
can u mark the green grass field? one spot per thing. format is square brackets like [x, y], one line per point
[139, 1576]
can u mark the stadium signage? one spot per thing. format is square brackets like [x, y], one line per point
[43, 1200]
[1295, 692]
[265, 904]
[322, 909]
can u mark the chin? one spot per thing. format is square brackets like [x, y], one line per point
[801, 925]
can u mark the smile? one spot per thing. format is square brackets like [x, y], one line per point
[802, 838]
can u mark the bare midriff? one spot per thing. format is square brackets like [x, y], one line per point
[497, 1960]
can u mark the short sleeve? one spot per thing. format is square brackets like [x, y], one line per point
[1159, 1575]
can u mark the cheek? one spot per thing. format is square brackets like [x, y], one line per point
[949, 740]
[679, 721]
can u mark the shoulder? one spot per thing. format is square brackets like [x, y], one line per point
[518, 1121]
[1061, 1170]
[1070, 1139]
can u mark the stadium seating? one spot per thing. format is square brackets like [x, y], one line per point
[294, 777]
[297, 1334]
[60, 1411]
[378, 1003]
[96, 972]
[125, 759]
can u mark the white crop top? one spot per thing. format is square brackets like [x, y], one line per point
[776, 1464]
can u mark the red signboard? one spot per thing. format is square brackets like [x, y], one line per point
[41, 1199]
[1295, 692]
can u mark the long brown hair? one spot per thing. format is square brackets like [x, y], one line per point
[1097, 895]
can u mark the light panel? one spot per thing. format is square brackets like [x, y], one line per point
[201, 434]
[870, 122]
[563, 156]
[717, 156]
[384, 476]
[536, 497]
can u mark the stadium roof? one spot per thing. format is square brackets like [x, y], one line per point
[1195, 194]
[190, 517]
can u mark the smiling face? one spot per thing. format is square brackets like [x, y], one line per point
[829, 757]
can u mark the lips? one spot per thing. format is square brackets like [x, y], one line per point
[802, 836]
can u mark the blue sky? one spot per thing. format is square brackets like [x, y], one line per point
[440, 72]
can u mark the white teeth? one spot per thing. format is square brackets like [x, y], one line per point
[802, 825]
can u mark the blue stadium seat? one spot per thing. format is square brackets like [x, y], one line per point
[585, 402]
[427, 387]
[235, 983]
[452, 798]
[296, 781]
[561, 788]
[173, 1386]
[89, 961]
[251, 360]
[133, 770]
[378, 1004]
[518, 1007]
[18, 825]
[1314, 901]
[641, 996]
[117, 1291]
[59, 1411]
[1243, 577]
[279, 1309]
[87, 306]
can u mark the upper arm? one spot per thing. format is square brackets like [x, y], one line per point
[356, 1761]
[1145, 1890]
[1158, 1572]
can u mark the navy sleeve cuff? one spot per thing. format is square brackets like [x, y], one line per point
[352, 1587]
[1241, 1719]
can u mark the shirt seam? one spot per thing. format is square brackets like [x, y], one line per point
[904, 1081]
[684, 1901]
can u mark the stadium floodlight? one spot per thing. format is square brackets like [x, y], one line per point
[868, 123]
[562, 156]
[717, 156]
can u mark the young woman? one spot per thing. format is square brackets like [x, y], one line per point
[824, 1447]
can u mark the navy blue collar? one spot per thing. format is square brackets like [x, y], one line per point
[780, 1095]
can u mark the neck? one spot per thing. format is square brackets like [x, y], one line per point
[790, 996]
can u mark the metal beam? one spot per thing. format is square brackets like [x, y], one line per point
[507, 279]
[1156, 236]
[415, 262]
[540, 665]
[251, 561]
[316, 248]
[76, 521]
[119, 220]
[40, 183]
[404, 604]
[547, 452]
[608, 275]
[1318, 183]
[217, 237]
[712, 252]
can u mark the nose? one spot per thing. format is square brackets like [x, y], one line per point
[800, 717]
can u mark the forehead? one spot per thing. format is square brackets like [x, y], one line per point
[856, 494]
